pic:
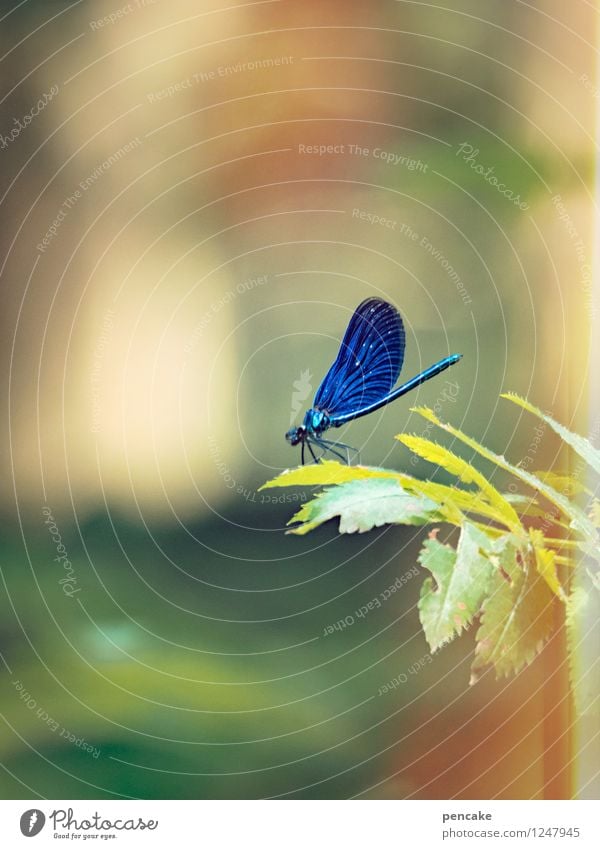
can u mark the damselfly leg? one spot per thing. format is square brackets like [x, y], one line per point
[328, 445]
[312, 453]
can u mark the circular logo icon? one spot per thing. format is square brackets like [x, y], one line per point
[32, 822]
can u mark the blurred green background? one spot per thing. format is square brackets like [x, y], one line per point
[201, 260]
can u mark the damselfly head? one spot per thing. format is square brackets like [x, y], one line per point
[296, 435]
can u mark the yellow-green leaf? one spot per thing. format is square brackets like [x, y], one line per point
[568, 485]
[578, 519]
[326, 473]
[545, 560]
[454, 502]
[580, 444]
[441, 456]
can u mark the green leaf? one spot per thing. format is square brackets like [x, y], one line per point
[593, 552]
[441, 456]
[580, 444]
[517, 616]
[453, 502]
[449, 605]
[583, 678]
[326, 473]
[579, 521]
[595, 578]
[365, 504]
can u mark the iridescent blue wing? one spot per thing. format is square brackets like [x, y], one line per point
[368, 363]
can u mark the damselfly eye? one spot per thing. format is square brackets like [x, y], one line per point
[294, 436]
